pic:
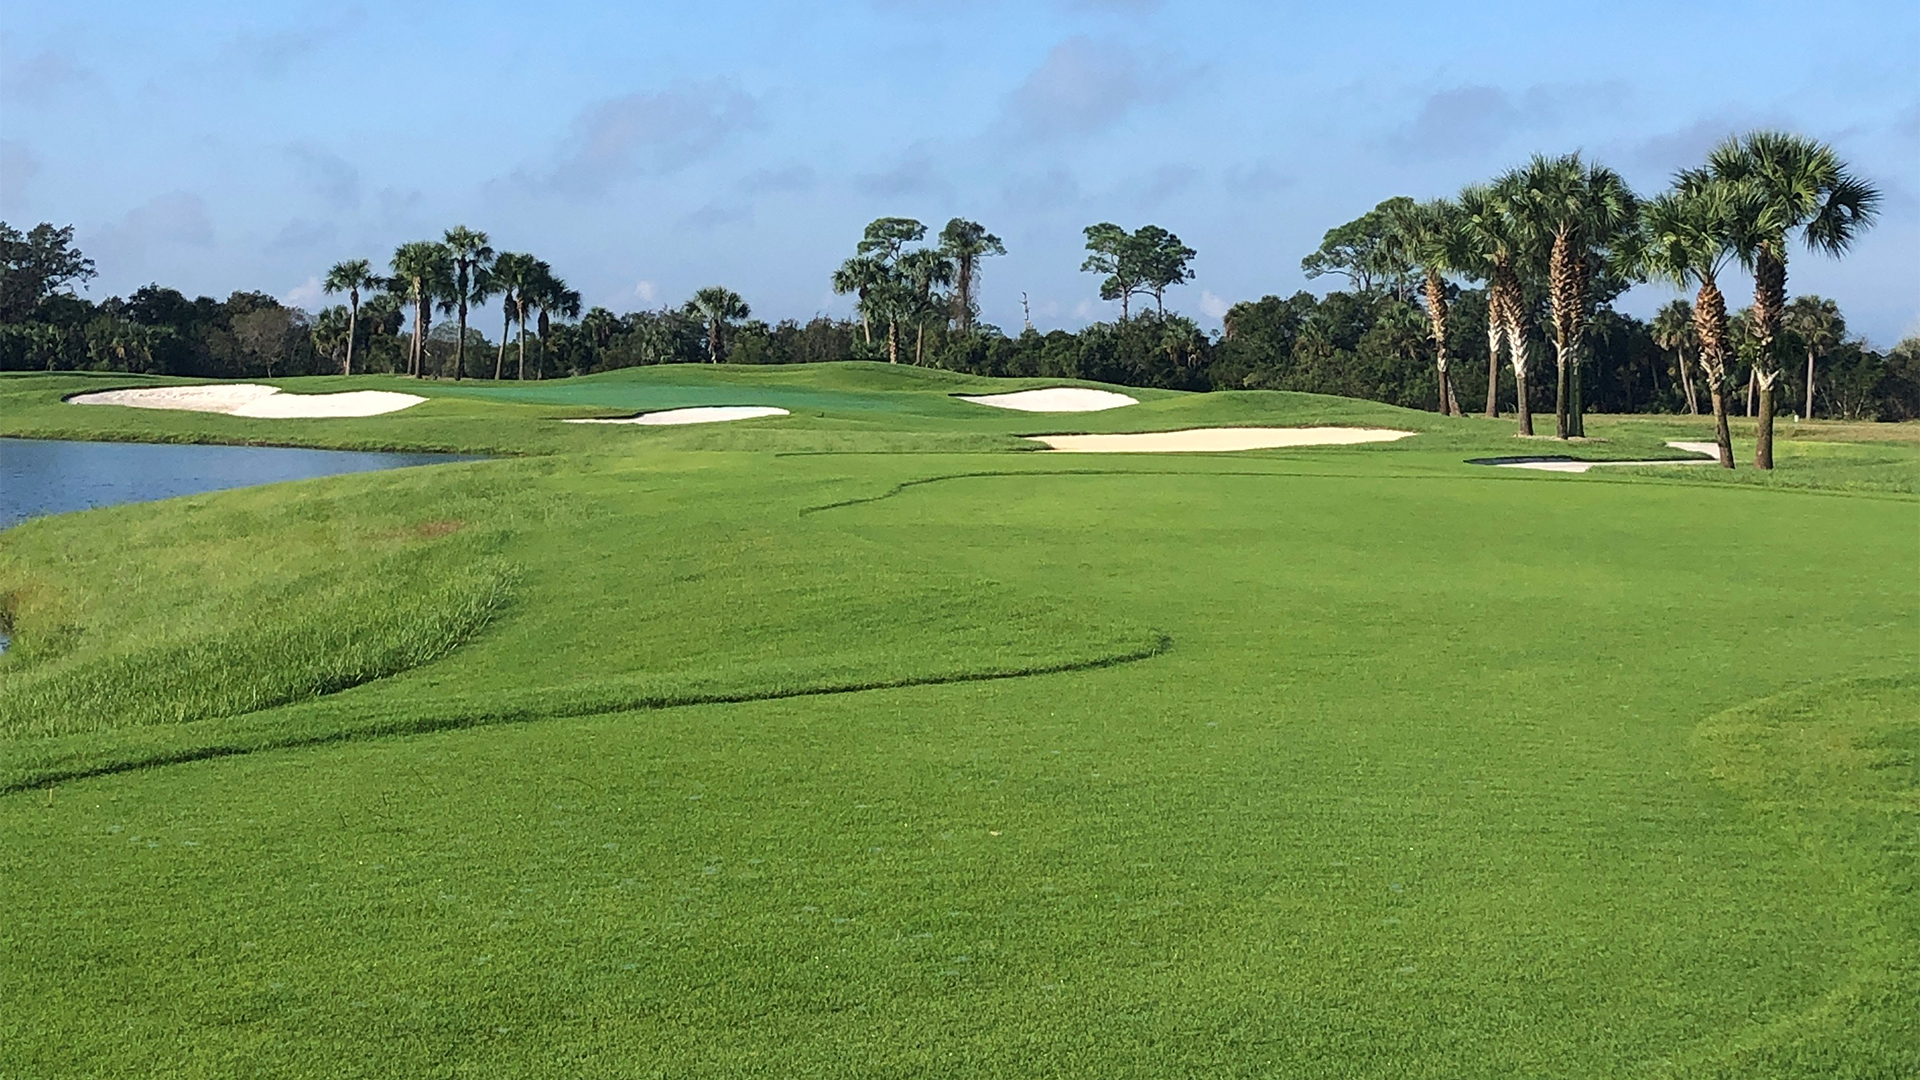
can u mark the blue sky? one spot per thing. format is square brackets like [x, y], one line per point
[648, 149]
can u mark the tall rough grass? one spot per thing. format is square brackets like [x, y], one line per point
[340, 630]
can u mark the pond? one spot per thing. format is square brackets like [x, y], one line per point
[44, 476]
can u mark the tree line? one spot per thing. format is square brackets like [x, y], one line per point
[1503, 275]
[1556, 240]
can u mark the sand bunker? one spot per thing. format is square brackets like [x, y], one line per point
[1054, 399]
[703, 414]
[1569, 465]
[1213, 440]
[254, 401]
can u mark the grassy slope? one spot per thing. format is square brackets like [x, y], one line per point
[1417, 790]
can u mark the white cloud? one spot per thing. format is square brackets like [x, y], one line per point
[1212, 306]
[307, 295]
[647, 291]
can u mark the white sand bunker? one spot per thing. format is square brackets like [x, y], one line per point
[703, 414]
[1214, 440]
[1054, 399]
[255, 401]
[1568, 465]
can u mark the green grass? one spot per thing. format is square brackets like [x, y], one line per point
[854, 743]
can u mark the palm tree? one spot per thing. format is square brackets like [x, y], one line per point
[423, 272]
[1491, 238]
[1673, 330]
[600, 325]
[350, 277]
[1817, 322]
[1575, 210]
[514, 276]
[552, 297]
[861, 276]
[1428, 235]
[923, 271]
[471, 257]
[966, 243]
[714, 306]
[1797, 183]
[1692, 233]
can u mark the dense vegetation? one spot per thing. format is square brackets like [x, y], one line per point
[851, 743]
[1509, 271]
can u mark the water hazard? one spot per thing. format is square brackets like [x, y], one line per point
[44, 476]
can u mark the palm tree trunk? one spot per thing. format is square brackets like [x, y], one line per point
[353, 328]
[500, 358]
[1763, 431]
[426, 332]
[413, 345]
[713, 341]
[1560, 427]
[1577, 398]
[1753, 385]
[1517, 355]
[1809, 413]
[893, 341]
[460, 352]
[1722, 439]
[1436, 297]
[1710, 325]
[1493, 367]
[1686, 378]
[522, 346]
[919, 344]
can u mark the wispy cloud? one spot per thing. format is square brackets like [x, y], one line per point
[1687, 145]
[1467, 121]
[646, 134]
[1084, 85]
[717, 214]
[1254, 178]
[177, 219]
[914, 174]
[19, 165]
[328, 174]
[1163, 183]
[270, 52]
[1052, 190]
[302, 234]
[42, 77]
[791, 180]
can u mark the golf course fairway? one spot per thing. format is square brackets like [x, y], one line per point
[866, 741]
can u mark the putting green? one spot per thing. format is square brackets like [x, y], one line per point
[860, 746]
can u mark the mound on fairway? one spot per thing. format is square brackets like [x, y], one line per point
[254, 401]
[1212, 440]
[1054, 399]
[703, 414]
